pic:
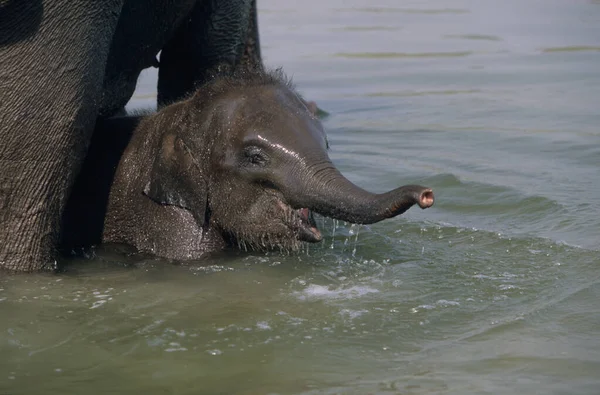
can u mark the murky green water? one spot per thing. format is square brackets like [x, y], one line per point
[496, 105]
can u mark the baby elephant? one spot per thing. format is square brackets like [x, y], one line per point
[243, 162]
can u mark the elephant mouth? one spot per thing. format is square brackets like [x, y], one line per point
[305, 226]
[302, 223]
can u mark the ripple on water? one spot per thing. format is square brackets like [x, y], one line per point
[509, 211]
[466, 287]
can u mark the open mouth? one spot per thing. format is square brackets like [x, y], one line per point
[301, 221]
[306, 227]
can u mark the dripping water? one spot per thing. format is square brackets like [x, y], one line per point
[349, 237]
[350, 233]
[322, 229]
[356, 240]
[335, 225]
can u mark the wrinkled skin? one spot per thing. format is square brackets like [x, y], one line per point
[64, 63]
[243, 162]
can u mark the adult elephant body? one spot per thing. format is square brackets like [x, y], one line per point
[63, 63]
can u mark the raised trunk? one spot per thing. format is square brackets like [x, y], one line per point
[329, 193]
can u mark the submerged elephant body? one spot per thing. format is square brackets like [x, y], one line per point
[243, 162]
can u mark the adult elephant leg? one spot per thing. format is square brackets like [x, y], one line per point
[214, 36]
[50, 84]
[251, 57]
[143, 29]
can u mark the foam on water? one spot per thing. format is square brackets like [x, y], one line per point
[314, 291]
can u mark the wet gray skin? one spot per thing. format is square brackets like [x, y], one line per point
[243, 162]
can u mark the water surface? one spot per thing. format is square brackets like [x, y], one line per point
[493, 290]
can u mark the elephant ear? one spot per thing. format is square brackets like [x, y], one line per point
[177, 180]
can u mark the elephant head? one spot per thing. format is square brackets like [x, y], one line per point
[249, 160]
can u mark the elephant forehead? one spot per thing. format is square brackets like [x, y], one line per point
[270, 103]
[273, 115]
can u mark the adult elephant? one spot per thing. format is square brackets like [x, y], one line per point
[63, 63]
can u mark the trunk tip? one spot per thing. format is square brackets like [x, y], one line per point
[426, 198]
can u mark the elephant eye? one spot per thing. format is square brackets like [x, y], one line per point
[255, 156]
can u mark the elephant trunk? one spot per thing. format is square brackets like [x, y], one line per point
[329, 193]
